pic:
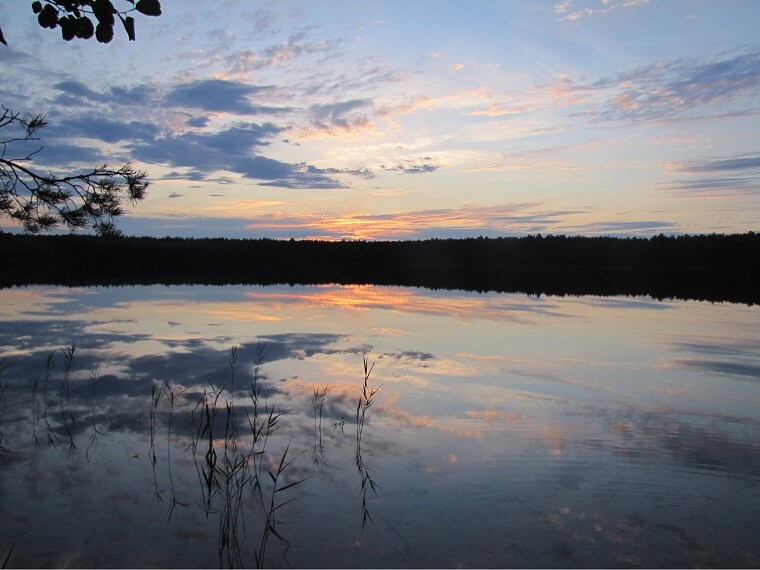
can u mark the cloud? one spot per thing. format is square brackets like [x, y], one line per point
[421, 224]
[235, 148]
[733, 369]
[198, 122]
[228, 149]
[286, 175]
[723, 165]
[278, 225]
[346, 115]
[77, 89]
[65, 156]
[467, 221]
[633, 227]
[106, 130]
[10, 55]
[139, 95]
[735, 175]
[211, 95]
[412, 167]
[221, 96]
[295, 47]
[666, 90]
[247, 60]
[716, 186]
[605, 7]
[78, 93]
[498, 110]
[413, 356]
[360, 80]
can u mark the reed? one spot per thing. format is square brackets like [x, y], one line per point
[366, 400]
[64, 398]
[263, 424]
[35, 411]
[236, 479]
[95, 433]
[233, 478]
[207, 404]
[231, 423]
[155, 398]
[47, 403]
[231, 474]
[7, 557]
[270, 524]
[171, 396]
[43, 414]
[318, 404]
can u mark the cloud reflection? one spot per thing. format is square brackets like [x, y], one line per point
[728, 356]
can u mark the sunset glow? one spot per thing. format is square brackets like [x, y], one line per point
[398, 120]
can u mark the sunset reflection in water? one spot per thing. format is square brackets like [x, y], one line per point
[544, 431]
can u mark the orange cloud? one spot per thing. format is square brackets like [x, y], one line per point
[520, 217]
[497, 110]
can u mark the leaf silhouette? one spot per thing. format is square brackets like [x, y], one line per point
[129, 27]
[85, 29]
[104, 33]
[149, 7]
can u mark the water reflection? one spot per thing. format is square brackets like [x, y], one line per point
[508, 430]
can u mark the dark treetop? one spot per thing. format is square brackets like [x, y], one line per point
[709, 267]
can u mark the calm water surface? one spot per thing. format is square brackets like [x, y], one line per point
[505, 430]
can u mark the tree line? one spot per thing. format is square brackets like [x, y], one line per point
[716, 267]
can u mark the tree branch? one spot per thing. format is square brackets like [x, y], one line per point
[90, 200]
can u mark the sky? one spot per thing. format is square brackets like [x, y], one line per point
[408, 120]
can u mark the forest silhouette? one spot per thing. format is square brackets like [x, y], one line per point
[712, 267]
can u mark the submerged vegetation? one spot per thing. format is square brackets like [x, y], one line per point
[710, 267]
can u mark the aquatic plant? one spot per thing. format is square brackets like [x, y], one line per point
[270, 525]
[366, 401]
[61, 396]
[7, 557]
[155, 398]
[64, 398]
[318, 403]
[225, 475]
[171, 395]
[46, 402]
[207, 468]
[244, 483]
[96, 433]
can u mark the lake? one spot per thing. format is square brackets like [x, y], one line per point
[365, 426]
